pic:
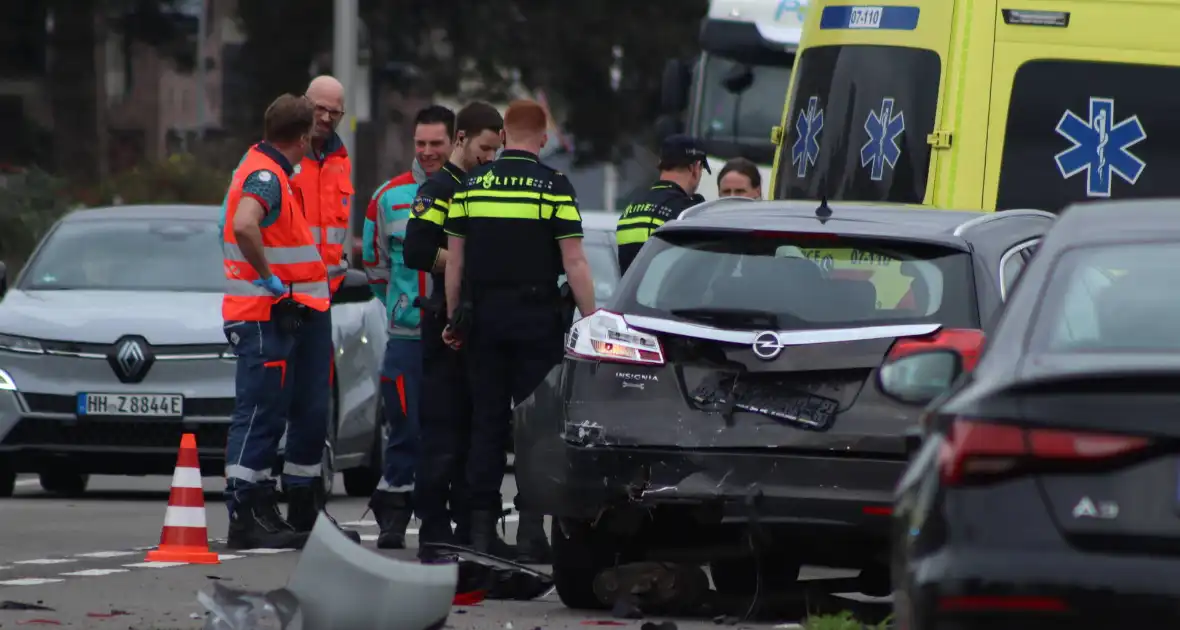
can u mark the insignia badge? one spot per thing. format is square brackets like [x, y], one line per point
[264, 176]
[421, 205]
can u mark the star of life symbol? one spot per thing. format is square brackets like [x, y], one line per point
[1100, 147]
[808, 125]
[884, 128]
[264, 176]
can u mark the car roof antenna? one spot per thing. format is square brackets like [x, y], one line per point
[823, 212]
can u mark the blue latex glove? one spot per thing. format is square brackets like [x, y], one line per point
[272, 284]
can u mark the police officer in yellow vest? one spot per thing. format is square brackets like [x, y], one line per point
[682, 159]
[513, 225]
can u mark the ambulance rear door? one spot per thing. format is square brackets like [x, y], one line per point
[864, 98]
[1086, 95]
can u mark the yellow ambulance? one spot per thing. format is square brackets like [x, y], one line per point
[983, 104]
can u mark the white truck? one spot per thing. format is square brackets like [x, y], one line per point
[732, 94]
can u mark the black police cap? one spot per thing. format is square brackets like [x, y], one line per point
[683, 150]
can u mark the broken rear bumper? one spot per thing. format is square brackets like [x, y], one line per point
[841, 496]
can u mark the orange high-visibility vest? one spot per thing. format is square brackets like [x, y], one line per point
[288, 245]
[327, 202]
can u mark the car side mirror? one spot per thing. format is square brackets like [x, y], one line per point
[919, 378]
[3, 279]
[354, 289]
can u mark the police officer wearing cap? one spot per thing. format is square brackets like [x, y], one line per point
[682, 160]
[512, 227]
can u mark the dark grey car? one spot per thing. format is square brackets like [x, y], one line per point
[1046, 493]
[721, 395]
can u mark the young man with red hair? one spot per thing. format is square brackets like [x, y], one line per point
[512, 227]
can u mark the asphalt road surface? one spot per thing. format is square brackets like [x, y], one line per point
[84, 559]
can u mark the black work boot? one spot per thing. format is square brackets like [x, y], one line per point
[304, 504]
[393, 511]
[498, 548]
[484, 538]
[256, 523]
[434, 529]
[532, 545]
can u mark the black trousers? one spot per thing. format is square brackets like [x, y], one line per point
[444, 427]
[513, 345]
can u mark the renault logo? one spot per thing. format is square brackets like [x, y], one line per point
[130, 359]
[767, 346]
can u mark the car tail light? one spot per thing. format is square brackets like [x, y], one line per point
[605, 336]
[978, 451]
[968, 342]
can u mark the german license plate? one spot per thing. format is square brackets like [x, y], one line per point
[146, 405]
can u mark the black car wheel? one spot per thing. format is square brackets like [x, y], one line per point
[7, 482]
[64, 482]
[362, 481]
[740, 576]
[580, 552]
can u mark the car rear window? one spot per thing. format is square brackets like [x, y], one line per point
[804, 281]
[1111, 298]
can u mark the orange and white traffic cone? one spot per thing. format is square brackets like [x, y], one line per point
[185, 537]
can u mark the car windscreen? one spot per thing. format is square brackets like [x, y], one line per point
[858, 124]
[1082, 130]
[129, 255]
[1111, 298]
[798, 281]
[739, 103]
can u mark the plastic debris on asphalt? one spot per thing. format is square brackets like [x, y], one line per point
[484, 576]
[11, 605]
[233, 609]
[341, 585]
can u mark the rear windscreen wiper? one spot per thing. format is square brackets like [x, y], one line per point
[729, 316]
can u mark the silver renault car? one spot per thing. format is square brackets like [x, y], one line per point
[111, 348]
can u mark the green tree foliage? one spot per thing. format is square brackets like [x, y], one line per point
[565, 48]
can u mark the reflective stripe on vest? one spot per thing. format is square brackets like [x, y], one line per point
[290, 250]
[327, 197]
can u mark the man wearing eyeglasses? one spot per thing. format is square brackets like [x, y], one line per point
[324, 181]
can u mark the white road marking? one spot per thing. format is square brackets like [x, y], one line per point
[45, 561]
[155, 565]
[228, 556]
[94, 572]
[368, 537]
[29, 581]
[2, 568]
[359, 524]
[413, 531]
[264, 552]
[105, 554]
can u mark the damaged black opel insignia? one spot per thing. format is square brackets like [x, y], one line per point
[722, 410]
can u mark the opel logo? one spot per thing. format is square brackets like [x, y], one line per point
[130, 359]
[767, 346]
